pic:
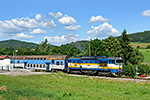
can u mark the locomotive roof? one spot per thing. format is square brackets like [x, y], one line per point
[48, 57]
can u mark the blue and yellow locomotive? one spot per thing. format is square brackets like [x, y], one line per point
[100, 65]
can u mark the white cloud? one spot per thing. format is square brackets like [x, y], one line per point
[56, 15]
[49, 24]
[22, 36]
[72, 28]
[63, 39]
[38, 32]
[146, 13]
[76, 35]
[38, 17]
[67, 20]
[94, 19]
[102, 31]
[25, 24]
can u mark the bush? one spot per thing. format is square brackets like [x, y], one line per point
[148, 47]
[130, 70]
[143, 69]
[138, 46]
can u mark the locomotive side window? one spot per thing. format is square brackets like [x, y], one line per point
[61, 63]
[57, 63]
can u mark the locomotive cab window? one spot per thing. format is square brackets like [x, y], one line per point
[113, 61]
[119, 61]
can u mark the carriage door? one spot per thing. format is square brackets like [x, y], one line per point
[25, 65]
[47, 66]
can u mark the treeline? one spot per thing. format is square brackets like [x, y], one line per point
[16, 43]
[143, 37]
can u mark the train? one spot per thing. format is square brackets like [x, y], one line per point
[98, 65]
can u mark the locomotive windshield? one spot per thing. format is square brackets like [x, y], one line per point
[119, 61]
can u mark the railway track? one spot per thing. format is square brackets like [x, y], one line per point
[114, 78]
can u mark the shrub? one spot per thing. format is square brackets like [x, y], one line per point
[143, 69]
[130, 70]
[138, 46]
[148, 47]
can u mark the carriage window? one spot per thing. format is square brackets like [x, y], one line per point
[28, 58]
[57, 63]
[18, 62]
[61, 63]
[28, 65]
[73, 61]
[41, 58]
[40, 66]
[37, 58]
[44, 58]
[43, 66]
[77, 61]
[86, 61]
[31, 58]
[90, 61]
[95, 61]
[34, 58]
[34, 65]
[81, 61]
[37, 65]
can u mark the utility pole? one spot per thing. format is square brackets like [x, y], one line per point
[89, 50]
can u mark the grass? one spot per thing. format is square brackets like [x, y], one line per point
[61, 86]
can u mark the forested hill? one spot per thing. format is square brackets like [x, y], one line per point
[81, 45]
[139, 37]
[16, 43]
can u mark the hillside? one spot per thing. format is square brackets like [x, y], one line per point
[16, 43]
[142, 37]
[81, 45]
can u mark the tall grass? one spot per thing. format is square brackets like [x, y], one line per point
[60, 86]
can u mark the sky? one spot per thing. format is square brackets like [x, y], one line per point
[66, 21]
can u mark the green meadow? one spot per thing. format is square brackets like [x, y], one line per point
[57, 86]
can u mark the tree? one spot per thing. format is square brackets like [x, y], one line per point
[44, 47]
[128, 53]
[96, 48]
[126, 48]
[112, 47]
